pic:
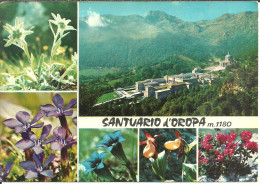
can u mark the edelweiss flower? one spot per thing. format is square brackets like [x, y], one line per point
[61, 23]
[17, 34]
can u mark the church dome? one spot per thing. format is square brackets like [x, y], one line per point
[228, 56]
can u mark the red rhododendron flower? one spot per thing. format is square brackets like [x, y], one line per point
[220, 157]
[229, 151]
[253, 146]
[208, 137]
[232, 136]
[232, 145]
[206, 145]
[216, 152]
[203, 160]
[221, 138]
[246, 135]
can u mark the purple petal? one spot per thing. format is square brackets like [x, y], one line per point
[49, 160]
[71, 143]
[23, 117]
[38, 116]
[48, 107]
[28, 165]
[32, 136]
[55, 146]
[19, 130]
[37, 161]
[74, 120]
[12, 123]
[68, 113]
[31, 174]
[37, 150]
[47, 173]
[51, 139]
[45, 131]
[24, 144]
[71, 104]
[8, 168]
[58, 101]
[69, 138]
[37, 125]
[59, 132]
[52, 114]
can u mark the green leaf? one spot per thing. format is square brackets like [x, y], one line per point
[190, 171]
[39, 72]
[191, 145]
[159, 165]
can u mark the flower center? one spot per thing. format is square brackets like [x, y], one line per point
[37, 142]
[62, 142]
[39, 169]
[26, 126]
[62, 25]
[59, 111]
[17, 34]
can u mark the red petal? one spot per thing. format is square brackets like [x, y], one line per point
[142, 143]
[177, 134]
[169, 154]
[147, 135]
[155, 155]
[157, 135]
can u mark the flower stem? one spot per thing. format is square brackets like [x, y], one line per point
[65, 162]
[105, 174]
[132, 173]
[64, 124]
[182, 173]
[52, 51]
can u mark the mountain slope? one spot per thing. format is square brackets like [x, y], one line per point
[132, 40]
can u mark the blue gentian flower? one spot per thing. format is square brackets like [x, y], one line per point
[6, 172]
[59, 110]
[36, 168]
[22, 122]
[33, 142]
[94, 162]
[110, 141]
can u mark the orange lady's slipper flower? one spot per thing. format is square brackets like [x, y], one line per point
[172, 145]
[177, 143]
[150, 148]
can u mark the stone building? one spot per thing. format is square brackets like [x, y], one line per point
[228, 61]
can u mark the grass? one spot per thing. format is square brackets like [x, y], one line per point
[97, 71]
[107, 96]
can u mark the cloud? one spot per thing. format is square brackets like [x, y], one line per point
[95, 20]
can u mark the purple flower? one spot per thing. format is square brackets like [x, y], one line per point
[58, 111]
[33, 142]
[58, 140]
[7, 170]
[36, 168]
[22, 122]
[74, 120]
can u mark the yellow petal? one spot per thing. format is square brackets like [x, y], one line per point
[149, 150]
[172, 145]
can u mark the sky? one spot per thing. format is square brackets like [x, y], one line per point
[187, 11]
